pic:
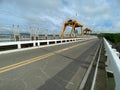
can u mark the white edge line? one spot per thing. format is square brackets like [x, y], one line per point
[87, 72]
[96, 70]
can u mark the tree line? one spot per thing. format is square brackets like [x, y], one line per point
[113, 37]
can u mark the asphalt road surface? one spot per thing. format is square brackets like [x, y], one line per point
[60, 67]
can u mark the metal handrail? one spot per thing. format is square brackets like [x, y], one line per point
[113, 63]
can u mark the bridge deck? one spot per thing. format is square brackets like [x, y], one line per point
[60, 67]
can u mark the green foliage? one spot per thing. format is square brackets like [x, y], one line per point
[115, 38]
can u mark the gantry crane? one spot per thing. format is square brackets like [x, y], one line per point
[86, 31]
[73, 24]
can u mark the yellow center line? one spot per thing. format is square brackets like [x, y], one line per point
[26, 62]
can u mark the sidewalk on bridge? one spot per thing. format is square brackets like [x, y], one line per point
[101, 80]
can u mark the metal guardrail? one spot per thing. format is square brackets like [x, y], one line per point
[113, 63]
[37, 43]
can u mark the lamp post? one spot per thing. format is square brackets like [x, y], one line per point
[46, 34]
[16, 32]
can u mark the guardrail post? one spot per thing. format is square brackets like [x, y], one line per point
[75, 39]
[47, 42]
[114, 50]
[38, 43]
[66, 40]
[61, 41]
[108, 63]
[18, 46]
[55, 41]
[34, 44]
[118, 54]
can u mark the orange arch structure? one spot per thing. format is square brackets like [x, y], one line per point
[73, 24]
[87, 31]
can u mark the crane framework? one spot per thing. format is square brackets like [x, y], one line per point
[74, 24]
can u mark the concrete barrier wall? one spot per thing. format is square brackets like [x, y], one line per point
[113, 63]
[6, 47]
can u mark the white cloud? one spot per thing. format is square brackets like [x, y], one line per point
[51, 14]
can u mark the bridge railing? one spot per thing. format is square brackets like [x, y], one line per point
[17, 45]
[113, 63]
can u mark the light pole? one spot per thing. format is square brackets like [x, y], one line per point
[16, 32]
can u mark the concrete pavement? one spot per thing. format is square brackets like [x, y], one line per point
[62, 69]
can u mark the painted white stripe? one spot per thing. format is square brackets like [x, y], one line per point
[82, 85]
[96, 69]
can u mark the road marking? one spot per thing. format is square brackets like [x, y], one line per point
[29, 61]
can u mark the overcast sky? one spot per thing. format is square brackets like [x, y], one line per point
[99, 15]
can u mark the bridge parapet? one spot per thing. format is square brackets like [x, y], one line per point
[6, 47]
[113, 63]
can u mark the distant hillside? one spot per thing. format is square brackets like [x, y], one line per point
[114, 38]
